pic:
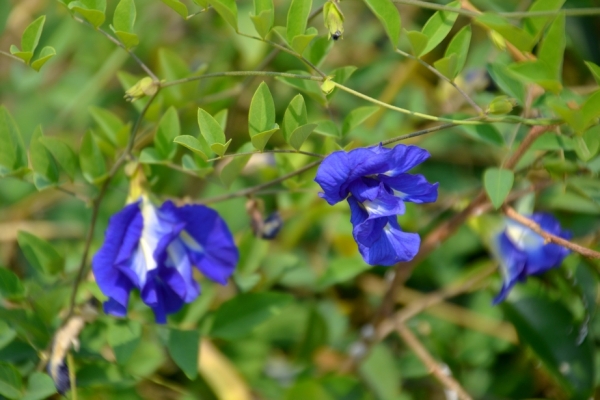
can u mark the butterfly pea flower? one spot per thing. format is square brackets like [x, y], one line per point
[522, 252]
[376, 184]
[154, 249]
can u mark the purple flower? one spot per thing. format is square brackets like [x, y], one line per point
[523, 252]
[375, 183]
[153, 250]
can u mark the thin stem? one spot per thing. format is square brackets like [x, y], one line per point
[444, 78]
[569, 12]
[418, 133]
[548, 237]
[240, 73]
[257, 188]
[121, 45]
[199, 12]
[72, 378]
[11, 56]
[251, 153]
[441, 373]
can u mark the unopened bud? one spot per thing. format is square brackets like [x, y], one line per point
[334, 20]
[144, 87]
[501, 105]
[327, 86]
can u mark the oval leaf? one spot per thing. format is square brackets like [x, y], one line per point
[497, 183]
[388, 14]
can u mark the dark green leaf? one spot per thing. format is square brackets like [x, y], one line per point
[239, 316]
[41, 255]
[184, 347]
[497, 183]
[595, 70]
[459, 45]
[62, 153]
[168, 130]
[535, 25]
[13, 155]
[506, 82]
[551, 51]
[44, 166]
[388, 14]
[307, 389]
[91, 160]
[357, 117]
[342, 270]
[380, 372]
[485, 133]
[232, 169]
[39, 387]
[124, 337]
[10, 381]
[11, 287]
[111, 126]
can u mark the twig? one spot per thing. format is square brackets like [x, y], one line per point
[548, 237]
[434, 368]
[240, 73]
[251, 153]
[4, 53]
[444, 78]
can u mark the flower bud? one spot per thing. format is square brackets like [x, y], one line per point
[498, 40]
[501, 105]
[334, 20]
[327, 86]
[144, 87]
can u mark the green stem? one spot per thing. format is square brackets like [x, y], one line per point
[444, 78]
[240, 73]
[250, 153]
[11, 56]
[418, 133]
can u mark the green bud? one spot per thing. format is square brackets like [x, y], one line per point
[327, 86]
[498, 40]
[144, 87]
[334, 20]
[501, 105]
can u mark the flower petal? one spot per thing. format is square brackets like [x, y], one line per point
[512, 265]
[177, 258]
[164, 292]
[401, 158]
[376, 198]
[392, 246]
[113, 307]
[413, 188]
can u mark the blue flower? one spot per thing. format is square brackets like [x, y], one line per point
[523, 252]
[153, 250]
[375, 183]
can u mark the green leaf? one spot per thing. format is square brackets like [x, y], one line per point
[11, 385]
[517, 36]
[44, 167]
[111, 126]
[552, 48]
[587, 146]
[342, 270]
[227, 9]
[357, 117]
[380, 371]
[340, 75]
[418, 42]
[13, 155]
[297, 18]
[318, 49]
[537, 72]
[497, 183]
[438, 26]
[168, 130]
[447, 66]
[31, 35]
[129, 40]
[62, 153]
[459, 45]
[150, 155]
[263, 17]
[301, 42]
[91, 160]
[261, 117]
[212, 132]
[484, 133]
[232, 169]
[220, 148]
[328, 128]
[11, 287]
[595, 70]
[590, 109]
[40, 386]
[46, 54]
[238, 317]
[535, 25]
[549, 329]
[300, 134]
[506, 82]
[184, 347]
[124, 16]
[40, 254]
[177, 6]
[312, 88]
[307, 389]
[388, 15]
[172, 67]
[92, 10]
[295, 116]
[193, 144]
[259, 141]
[124, 337]
[221, 118]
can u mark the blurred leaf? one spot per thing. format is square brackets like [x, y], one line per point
[547, 327]
[168, 130]
[595, 70]
[497, 183]
[46, 54]
[193, 144]
[177, 6]
[484, 133]
[590, 109]
[10, 381]
[447, 66]
[459, 45]
[552, 141]
[227, 9]
[41, 254]
[300, 134]
[113, 129]
[535, 25]
[11, 287]
[307, 389]
[388, 15]
[239, 316]
[150, 155]
[438, 26]
[418, 41]
[172, 67]
[506, 82]
[92, 10]
[124, 337]
[13, 155]
[297, 18]
[357, 117]
[380, 372]
[233, 168]
[318, 49]
[261, 117]
[40, 386]
[315, 335]
[312, 88]
[551, 51]
[342, 270]
[295, 116]
[44, 167]
[515, 35]
[212, 132]
[263, 22]
[328, 128]
[301, 42]
[184, 347]
[91, 160]
[123, 21]
[30, 39]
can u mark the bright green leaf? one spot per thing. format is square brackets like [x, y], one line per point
[418, 42]
[227, 9]
[44, 167]
[92, 10]
[46, 54]
[357, 117]
[129, 40]
[232, 169]
[388, 15]
[590, 109]
[220, 148]
[535, 25]
[111, 126]
[11, 287]
[91, 160]
[31, 35]
[552, 48]
[13, 155]
[40, 254]
[11, 385]
[221, 118]
[297, 18]
[259, 141]
[300, 134]
[263, 17]
[261, 116]
[210, 129]
[184, 347]
[150, 155]
[295, 116]
[517, 36]
[498, 183]
[124, 17]
[177, 6]
[459, 45]
[62, 153]
[193, 144]
[124, 337]
[537, 72]
[238, 317]
[438, 26]
[301, 42]
[168, 130]
[447, 66]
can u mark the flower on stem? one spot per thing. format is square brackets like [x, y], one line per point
[154, 249]
[144, 87]
[375, 183]
[522, 252]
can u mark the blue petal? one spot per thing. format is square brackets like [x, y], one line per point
[177, 258]
[376, 199]
[208, 242]
[122, 233]
[413, 188]
[392, 246]
[512, 264]
[546, 256]
[401, 158]
[113, 307]
[164, 293]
